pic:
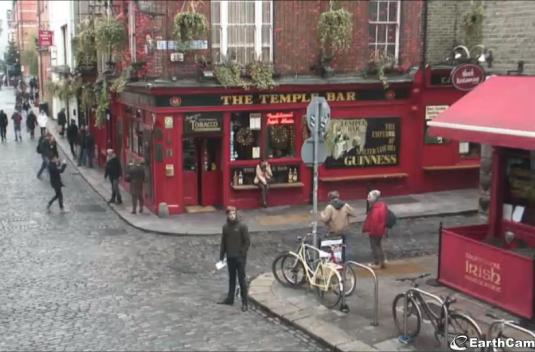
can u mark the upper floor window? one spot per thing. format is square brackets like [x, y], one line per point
[242, 30]
[384, 20]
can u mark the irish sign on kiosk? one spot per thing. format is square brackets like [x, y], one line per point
[467, 76]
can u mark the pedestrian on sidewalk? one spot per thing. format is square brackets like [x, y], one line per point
[26, 105]
[53, 147]
[375, 226]
[31, 121]
[42, 119]
[81, 142]
[17, 121]
[43, 148]
[336, 217]
[263, 178]
[114, 172]
[62, 121]
[3, 125]
[235, 244]
[89, 146]
[55, 169]
[136, 177]
[72, 135]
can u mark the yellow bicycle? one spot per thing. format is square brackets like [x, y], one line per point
[315, 267]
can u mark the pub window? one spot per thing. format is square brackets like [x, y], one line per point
[245, 136]
[280, 139]
[432, 111]
[242, 30]
[469, 150]
[136, 137]
[383, 27]
[519, 200]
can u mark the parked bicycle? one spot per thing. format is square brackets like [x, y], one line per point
[499, 327]
[321, 274]
[288, 272]
[418, 308]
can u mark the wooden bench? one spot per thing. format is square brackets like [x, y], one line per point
[452, 167]
[272, 186]
[365, 177]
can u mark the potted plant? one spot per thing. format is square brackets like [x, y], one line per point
[380, 64]
[473, 25]
[110, 36]
[85, 47]
[261, 75]
[103, 105]
[335, 33]
[188, 26]
[229, 74]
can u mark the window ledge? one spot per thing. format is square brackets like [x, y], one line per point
[272, 185]
[365, 177]
[452, 167]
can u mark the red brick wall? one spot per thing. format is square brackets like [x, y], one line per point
[296, 47]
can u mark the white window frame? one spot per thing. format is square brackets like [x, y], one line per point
[258, 21]
[397, 22]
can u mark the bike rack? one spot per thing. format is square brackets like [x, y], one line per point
[511, 325]
[441, 303]
[376, 290]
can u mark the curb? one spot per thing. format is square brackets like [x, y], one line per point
[347, 345]
[66, 152]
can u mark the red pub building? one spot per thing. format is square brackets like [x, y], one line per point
[202, 142]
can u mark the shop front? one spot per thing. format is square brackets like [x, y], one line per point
[495, 261]
[205, 142]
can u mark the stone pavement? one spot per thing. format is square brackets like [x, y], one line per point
[272, 219]
[353, 331]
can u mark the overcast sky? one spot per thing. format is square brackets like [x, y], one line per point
[4, 6]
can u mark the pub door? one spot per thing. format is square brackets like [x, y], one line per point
[202, 174]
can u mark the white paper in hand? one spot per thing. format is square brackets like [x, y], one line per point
[220, 264]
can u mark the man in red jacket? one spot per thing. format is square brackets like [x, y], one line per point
[375, 227]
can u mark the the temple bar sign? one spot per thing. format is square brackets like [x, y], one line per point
[280, 98]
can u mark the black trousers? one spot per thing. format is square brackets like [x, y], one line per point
[58, 196]
[377, 250]
[3, 131]
[236, 265]
[71, 144]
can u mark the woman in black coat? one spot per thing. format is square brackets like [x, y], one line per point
[55, 169]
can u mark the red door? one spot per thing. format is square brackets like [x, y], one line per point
[190, 176]
[210, 171]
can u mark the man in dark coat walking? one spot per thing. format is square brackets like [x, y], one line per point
[114, 172]
[235, 244]
[55, 169]
[31, 122]
[72, 135]
[136, 177]
[3, 125]
[81, 142]
[17, 121]
[62, 121]
[89, 145]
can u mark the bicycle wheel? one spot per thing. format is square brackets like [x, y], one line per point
[460, 324]
[414, 316]
[351, 280]
[288, 270]
[328, 287]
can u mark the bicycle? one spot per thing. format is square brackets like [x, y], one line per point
[458, 322]
[496, 332]
[324, 277]
[293, 274]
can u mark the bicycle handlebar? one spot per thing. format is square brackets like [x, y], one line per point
[413, 279]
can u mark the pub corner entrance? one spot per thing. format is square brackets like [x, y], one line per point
[202, 183]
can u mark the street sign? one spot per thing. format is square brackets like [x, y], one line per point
[45, 38]
[318, 111]
[307, 152]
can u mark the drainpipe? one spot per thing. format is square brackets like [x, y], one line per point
[424, 39]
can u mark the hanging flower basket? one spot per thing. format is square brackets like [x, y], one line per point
[110, 35]
[189, 26]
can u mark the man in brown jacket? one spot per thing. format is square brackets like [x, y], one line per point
[336, 217]
[235, 244]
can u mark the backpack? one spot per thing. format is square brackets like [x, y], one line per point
[391, 219]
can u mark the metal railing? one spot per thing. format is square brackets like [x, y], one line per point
[507, 323]
[376, 290]
[441, 304]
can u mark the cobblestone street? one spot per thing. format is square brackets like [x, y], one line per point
[85, 280]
